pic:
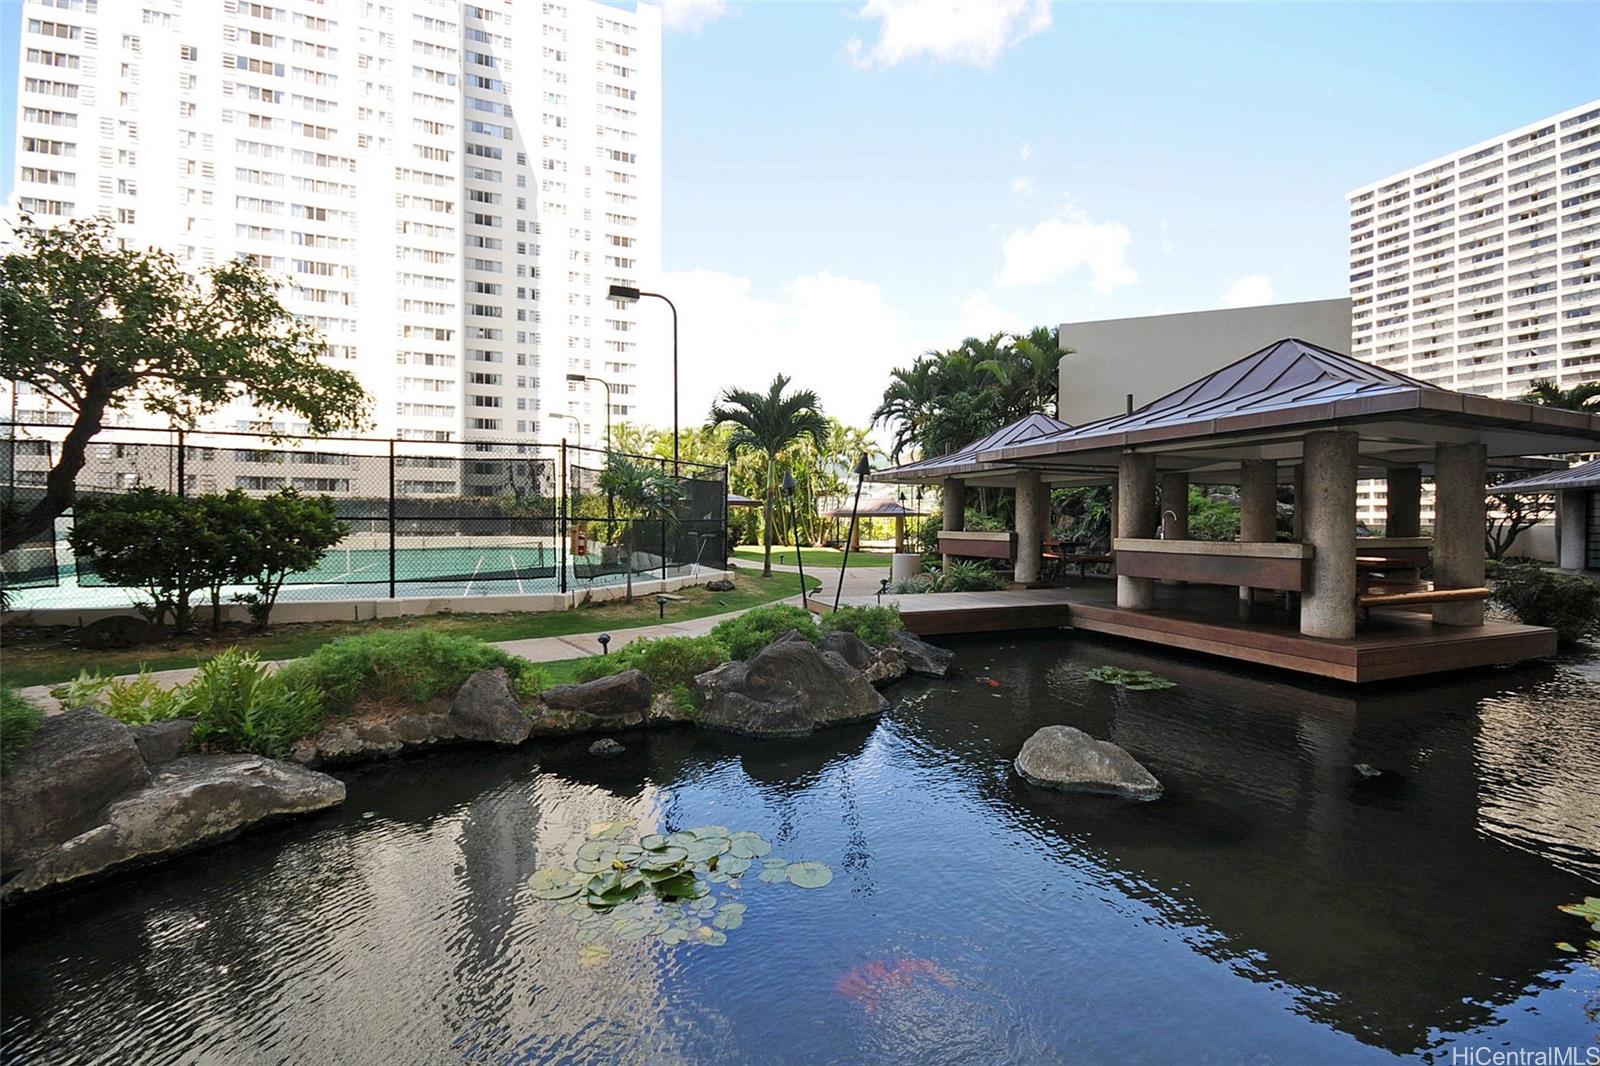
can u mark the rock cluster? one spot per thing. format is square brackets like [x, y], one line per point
[789, 688]
[1068, 759]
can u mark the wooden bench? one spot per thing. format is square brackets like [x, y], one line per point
[1425, 596]
[1059, 560]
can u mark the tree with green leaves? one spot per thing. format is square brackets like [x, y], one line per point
[642, 491]
[154, 541]
[1584, 397]
[282, 534]
[97, 327]
[767, 423]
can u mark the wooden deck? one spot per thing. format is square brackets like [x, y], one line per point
[1210, 620]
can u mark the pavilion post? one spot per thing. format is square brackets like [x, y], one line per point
[1403, 516]
[1258, 506]
[1136, 517]
[1030, 530]
[1572, 509]
[1458, 540]
[1328, 607]
[955, 510]
[1298, 523]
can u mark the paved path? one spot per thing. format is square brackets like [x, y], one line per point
[858, 582]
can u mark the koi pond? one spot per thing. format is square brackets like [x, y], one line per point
[1329, 877]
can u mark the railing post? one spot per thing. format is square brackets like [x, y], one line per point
[561, 518]
[391, 519]
[181, 491]
[678, 477]
[727, 550]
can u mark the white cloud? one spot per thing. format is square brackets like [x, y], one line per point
[1065, 243]
[980, 317]
[1248, 291]
[834, 334]
[1025, 153]
[1023, 186]
[974, 32]
[692, 16]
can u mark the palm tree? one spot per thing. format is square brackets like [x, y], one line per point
[646, 493]
[1585, 397]
[767, 423]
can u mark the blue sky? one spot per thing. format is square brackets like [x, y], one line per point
[846, 184]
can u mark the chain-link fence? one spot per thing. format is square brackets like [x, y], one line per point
[425, 518]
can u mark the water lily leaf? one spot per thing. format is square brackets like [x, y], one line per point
[712, 937]
[665, 858]
[809, 874]
[729, 916]
[717, 877]
[1589, 909]
[611, 830]
[1562, 945]
[749, 846]
[555, 883]
[682, 839]
[705, 848]
[591, 866]
[732, 865]
[598, 849]
[652, 841]
[629, 853]
[683, 886]
[773, 874]
[772, 861]
[674, 936]
[592, 955]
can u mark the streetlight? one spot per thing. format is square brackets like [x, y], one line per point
[794, 531]
[607, 384]
[630, 294]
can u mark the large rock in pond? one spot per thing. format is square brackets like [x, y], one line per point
[1061, 757]
[787, 689]
[189, 802]
[161, 742]
[849, 647]
[77, 763]
[921, 657]
[486, 708]
[614, 696]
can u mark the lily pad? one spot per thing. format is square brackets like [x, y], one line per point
[652, 841]
[750, 845]
[598, 849]
[705, 848]
[710, 937]
[729, 916]
[664, 858]
[610, 830]
[707, 831]
[732, 865]
[592, 955]
[674, 936]
[809, 874]
[554, 883]
[773, 874]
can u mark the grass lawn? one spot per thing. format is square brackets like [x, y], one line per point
[821, 558]
[52, 657]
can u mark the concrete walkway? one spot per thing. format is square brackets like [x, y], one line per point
[858, 582]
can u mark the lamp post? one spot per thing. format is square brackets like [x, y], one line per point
[863, 468]
[630, 294]
[607, 385]
[794, 529]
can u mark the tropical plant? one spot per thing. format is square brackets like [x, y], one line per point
[1538, 596]
[96, 327]
[671, 664]
[1212, 517]
[132, 701]
[238, 704]
[767, 423]
[878, 626]
[748, 633]
[1134, 680]
[279, 535]
[1583, 397]
[967, 575]
[19, 721]
[644, 492]
[409, 666]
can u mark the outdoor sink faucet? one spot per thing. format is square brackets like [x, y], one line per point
[1161, 530]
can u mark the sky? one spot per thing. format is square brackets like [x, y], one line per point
[846, 185]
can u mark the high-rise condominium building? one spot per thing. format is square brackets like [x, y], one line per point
[449, 188]
[1480, 270]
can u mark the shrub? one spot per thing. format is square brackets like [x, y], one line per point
[911, 586]
[282, 534]
[239, 706]
[968, 576]
[756, 628]
[401, 666]
[1567, 603]
[136, 701]
[151, 540]
[19, 720]
[669, 662]
[875, 625]
[1211, 518]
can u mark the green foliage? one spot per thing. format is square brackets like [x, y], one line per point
[1211, 518]
[1583, 397]
[1567, 603]
[1135, 680]
[279, 535]
[875, 625]
[98, 326]
[669, 662]
[662, 887]
[131, 701]
[755, 629]
[1086, 514]
[19, 720]
[238, 705]
[398, 666]
[639, 489]
[967, 575]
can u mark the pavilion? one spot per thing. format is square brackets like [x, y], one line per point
[1577, 493]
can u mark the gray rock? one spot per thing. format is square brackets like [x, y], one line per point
[887, 666]
[161, 742]
[77, 763]
[616, 696]
[721, 584]
[486, 708]
[368, 736]
[921, 657]
[189, 802]
[1061, 757]
[789, 688]
[849, 647]
[117, 631]
[605, 746]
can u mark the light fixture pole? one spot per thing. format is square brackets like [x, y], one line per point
[794, 531]
[863, 468]
[607, 384]
[631, 294]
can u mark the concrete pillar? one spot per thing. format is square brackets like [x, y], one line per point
[1030, 530]
[955, 510]
[1175, 505]
[1458, 529]
[1136, 517]
[1258, 505]
[1328, 607]
[1572, 529]
[1115, 518]
[1297, 528]
[1404, 516]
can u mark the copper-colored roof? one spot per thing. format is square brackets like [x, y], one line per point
[874, 509]
[1296, 384]
[1582, 476]
[965, 460]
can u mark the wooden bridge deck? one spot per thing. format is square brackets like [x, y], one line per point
[1210, 620]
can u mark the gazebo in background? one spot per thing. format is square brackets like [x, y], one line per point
[877, 509]
[1577, 493]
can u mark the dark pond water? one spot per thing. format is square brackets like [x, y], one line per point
[1275, 906]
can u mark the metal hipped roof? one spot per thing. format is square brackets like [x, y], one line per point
[1582, 476]
[1028, 428]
